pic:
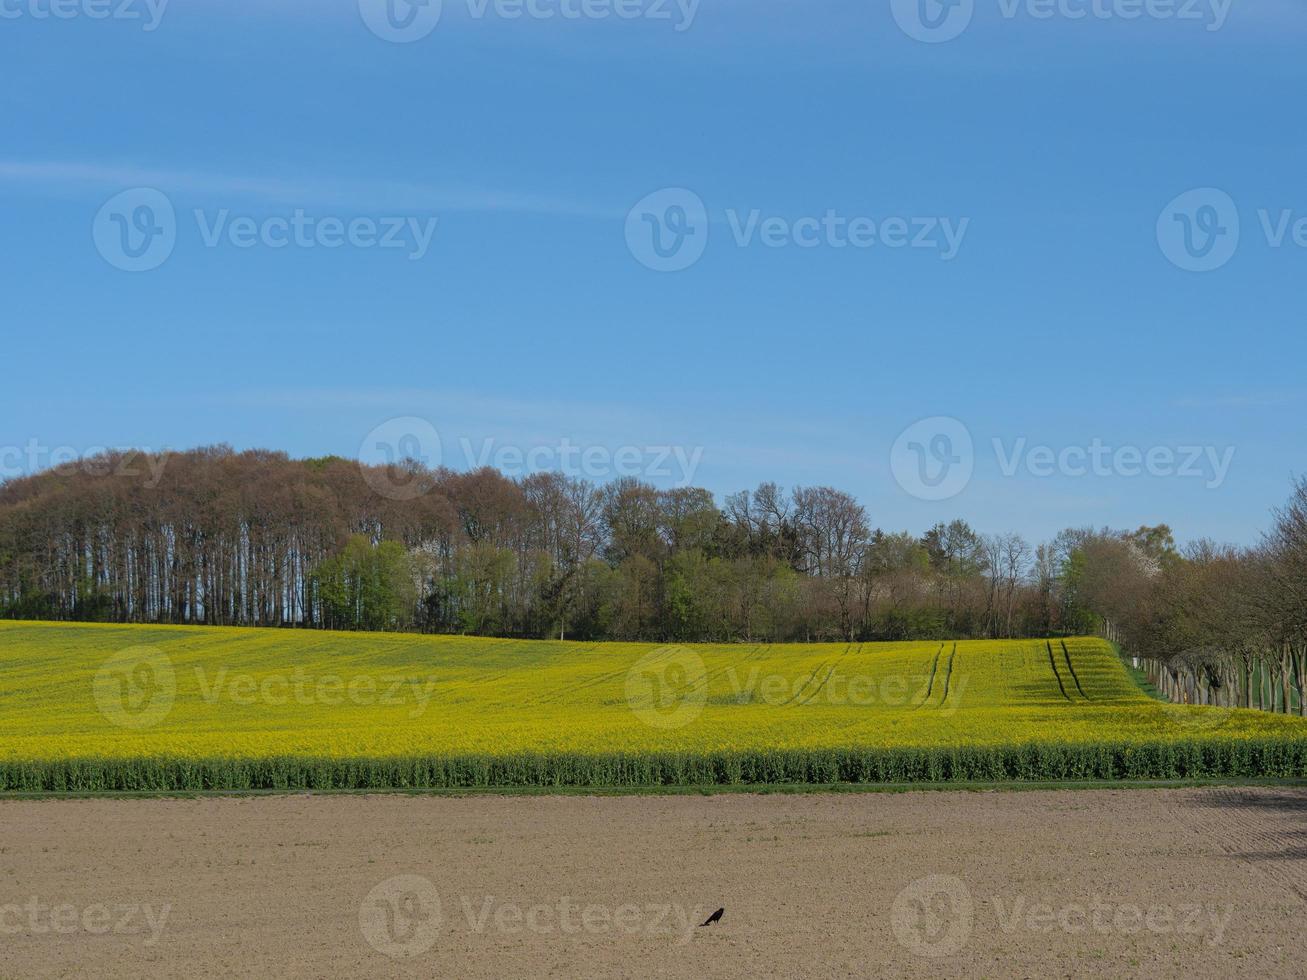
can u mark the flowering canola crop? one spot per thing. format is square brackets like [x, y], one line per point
[94, 707]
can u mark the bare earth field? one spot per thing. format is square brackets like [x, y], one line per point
[1190, 882]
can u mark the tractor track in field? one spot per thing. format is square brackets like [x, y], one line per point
[756, 652]
[794, 695]
[826, 680]
[601, 678]
[1053, 664]
[1071, 667]
[510, 671]
[948, 676]
[1264, 828]
[934, 669]
[752, 653]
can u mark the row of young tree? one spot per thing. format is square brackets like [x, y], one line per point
[255, 538]
[1210, 624]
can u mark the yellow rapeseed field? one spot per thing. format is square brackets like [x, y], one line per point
[106, 706]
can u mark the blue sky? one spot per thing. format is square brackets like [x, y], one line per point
[527, 320]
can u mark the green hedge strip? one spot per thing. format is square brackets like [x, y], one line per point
[1255, 758]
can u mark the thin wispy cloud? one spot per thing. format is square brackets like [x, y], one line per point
[430, 399]
[670, 409]
[1262, 399]
[527, 422]
[402, 196]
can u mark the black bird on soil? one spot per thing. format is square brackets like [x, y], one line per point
[715, 917]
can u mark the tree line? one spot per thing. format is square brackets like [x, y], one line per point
[215, 536]
[256, 538]
[1210, 624]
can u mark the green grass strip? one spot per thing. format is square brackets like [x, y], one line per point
[1264, 758]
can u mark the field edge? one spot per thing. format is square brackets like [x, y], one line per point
[1030, 762]
[773, 789]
